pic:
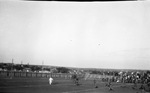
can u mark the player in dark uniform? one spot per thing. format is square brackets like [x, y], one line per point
[135, 81]
[75, 79]
[95, 83]
[109, 85]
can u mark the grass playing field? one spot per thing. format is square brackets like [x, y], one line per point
[41, 85]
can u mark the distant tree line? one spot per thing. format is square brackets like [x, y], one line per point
[33, 68]
[114, 73]
[63, 70]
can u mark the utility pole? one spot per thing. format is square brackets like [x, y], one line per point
[21, 65]
[12, 64]
[12, 69]
[42, 65]
[12, 60]
[28, 64]
[21, 62]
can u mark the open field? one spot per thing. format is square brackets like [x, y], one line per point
[41, 85]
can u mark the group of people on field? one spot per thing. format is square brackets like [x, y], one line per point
[136, 80]
[75, 79]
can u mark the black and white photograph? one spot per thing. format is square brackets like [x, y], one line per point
[74, 47]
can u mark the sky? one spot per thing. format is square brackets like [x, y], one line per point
[76, 34]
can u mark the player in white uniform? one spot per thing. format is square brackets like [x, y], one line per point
[50, 80]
